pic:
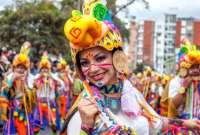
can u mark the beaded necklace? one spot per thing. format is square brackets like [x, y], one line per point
[114, 88]
[113, 103]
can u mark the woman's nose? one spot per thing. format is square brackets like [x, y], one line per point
[94, 68]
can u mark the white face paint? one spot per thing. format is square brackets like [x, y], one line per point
[99, 84]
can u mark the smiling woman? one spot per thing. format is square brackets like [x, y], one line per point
[96, 65]
[109, 104]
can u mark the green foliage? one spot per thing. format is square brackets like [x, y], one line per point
[39, 22]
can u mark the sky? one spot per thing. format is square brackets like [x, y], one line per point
[183, 8]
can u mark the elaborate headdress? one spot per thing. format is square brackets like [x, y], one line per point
[22, 58]
[62, 64]
[188, 58]
[45, 61]
[165, 79]
[94, 28]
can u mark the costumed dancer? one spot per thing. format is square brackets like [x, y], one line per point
[17, 90]
[185, 93]
[47, 87]
[64, 95]
[164, 101]
[147, 83]
[109, 104]
[155, 93]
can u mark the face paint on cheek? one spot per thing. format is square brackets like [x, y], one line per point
[85, 71]
[105, 66]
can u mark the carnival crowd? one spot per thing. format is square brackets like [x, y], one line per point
[99, 95]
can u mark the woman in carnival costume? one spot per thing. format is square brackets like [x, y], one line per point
[64, 95]
[46, 87]
[184, 93]
[109, 104]
[155, 92]
[17, 89]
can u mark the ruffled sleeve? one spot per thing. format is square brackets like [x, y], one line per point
[134, 103]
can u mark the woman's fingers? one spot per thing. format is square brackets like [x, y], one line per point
[87, 101]
[88, 110]
[198, 121]
[197, 124]
[84, 102]
[194, 125]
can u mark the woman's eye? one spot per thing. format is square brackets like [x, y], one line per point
[100, 58]
[84, 63]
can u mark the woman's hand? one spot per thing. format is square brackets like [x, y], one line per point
[88, 110]
[193, 124]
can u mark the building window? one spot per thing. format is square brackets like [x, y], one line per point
[159, 34]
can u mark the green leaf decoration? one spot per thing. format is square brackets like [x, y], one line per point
[99, 11]
[76, 13]
[184, 49]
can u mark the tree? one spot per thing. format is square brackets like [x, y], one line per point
[39, 22]
[124, 6]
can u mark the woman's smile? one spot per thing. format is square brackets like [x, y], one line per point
[98, 77]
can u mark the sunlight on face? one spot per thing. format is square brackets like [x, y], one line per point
[96, 65]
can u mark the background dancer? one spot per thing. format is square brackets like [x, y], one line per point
[47, 87]
[17, 90]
